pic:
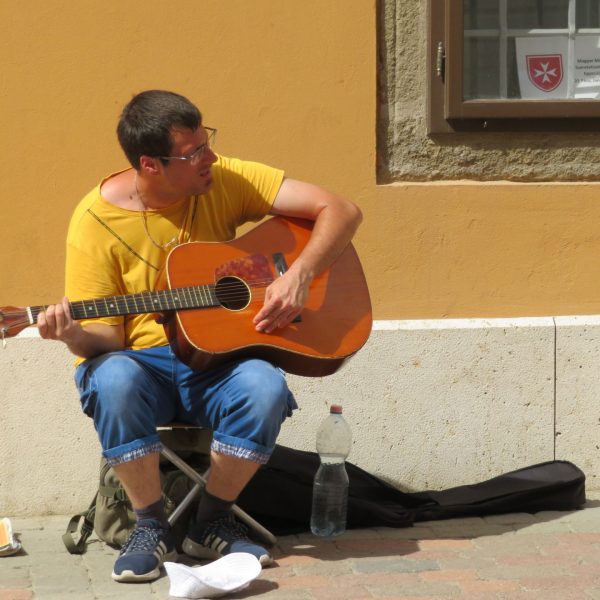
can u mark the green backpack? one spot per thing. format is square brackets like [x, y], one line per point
[110, 514]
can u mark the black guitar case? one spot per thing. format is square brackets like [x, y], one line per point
[280, 494]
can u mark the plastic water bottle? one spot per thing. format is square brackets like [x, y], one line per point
[330, 487]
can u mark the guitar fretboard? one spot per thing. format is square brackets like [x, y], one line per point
[200, 296]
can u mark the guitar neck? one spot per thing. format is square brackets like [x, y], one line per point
[200, 296]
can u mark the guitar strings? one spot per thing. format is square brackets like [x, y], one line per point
[228, 290]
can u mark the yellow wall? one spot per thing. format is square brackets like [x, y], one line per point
[484, 250]
[291, 84]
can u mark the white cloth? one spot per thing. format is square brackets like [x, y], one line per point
[229, 574]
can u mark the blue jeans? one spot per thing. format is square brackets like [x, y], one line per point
[129, 393]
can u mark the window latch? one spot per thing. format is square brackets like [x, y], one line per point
[440, 60]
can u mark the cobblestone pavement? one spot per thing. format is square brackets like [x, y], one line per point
[550, 555]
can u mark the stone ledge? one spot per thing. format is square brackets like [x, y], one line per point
[432, 404]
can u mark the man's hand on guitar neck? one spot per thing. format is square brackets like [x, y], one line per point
[56, 323]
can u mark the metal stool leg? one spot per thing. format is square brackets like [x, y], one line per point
[200, 481]
[180, 508]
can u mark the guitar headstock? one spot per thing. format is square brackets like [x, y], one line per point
[13, 320]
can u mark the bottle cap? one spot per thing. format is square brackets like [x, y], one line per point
[336, 409]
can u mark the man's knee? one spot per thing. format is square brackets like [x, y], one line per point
[109, 384]
[265, 388]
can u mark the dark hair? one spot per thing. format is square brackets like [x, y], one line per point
[146, 122]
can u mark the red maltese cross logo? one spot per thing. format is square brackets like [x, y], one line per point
[545, 71]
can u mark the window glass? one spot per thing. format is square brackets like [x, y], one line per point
[587, 13]
[533, 51]
[513, 91]
[481, 14]
[482, 66]
[537, 14]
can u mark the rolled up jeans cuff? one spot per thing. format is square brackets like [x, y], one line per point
[250, 454]
[133, 450]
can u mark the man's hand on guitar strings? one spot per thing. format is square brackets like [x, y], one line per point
[284, 300]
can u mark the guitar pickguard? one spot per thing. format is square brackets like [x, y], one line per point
[254, 269]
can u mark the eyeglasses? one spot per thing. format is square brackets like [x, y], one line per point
[196, 155]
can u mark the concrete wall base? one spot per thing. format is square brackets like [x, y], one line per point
[432, 404]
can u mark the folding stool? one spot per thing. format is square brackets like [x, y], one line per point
[199, 479]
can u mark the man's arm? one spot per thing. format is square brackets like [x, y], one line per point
[336, 221]
[56, 323]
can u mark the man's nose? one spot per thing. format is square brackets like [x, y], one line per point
[208, 156]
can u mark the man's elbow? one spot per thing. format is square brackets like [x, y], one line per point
[354, 214]
[358, 215]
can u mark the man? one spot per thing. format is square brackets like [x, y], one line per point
[179, 190]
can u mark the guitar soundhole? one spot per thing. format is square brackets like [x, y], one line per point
[232, 293]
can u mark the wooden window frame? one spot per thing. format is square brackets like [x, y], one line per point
[448, 112]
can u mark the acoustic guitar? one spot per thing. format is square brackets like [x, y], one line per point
[208, 293]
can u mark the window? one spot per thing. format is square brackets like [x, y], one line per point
[514, 65]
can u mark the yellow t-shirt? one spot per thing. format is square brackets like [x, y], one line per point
[110, 251]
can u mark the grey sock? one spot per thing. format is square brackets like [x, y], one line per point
[155, 512]
[212, 508]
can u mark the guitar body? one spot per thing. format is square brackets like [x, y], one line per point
[335, 322]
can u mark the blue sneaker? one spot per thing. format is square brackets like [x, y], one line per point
[142, 555]
[221, 537]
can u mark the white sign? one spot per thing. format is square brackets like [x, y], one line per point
[546, 71]
[542, 67]
[587, 66]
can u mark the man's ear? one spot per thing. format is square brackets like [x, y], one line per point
[149, 164]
